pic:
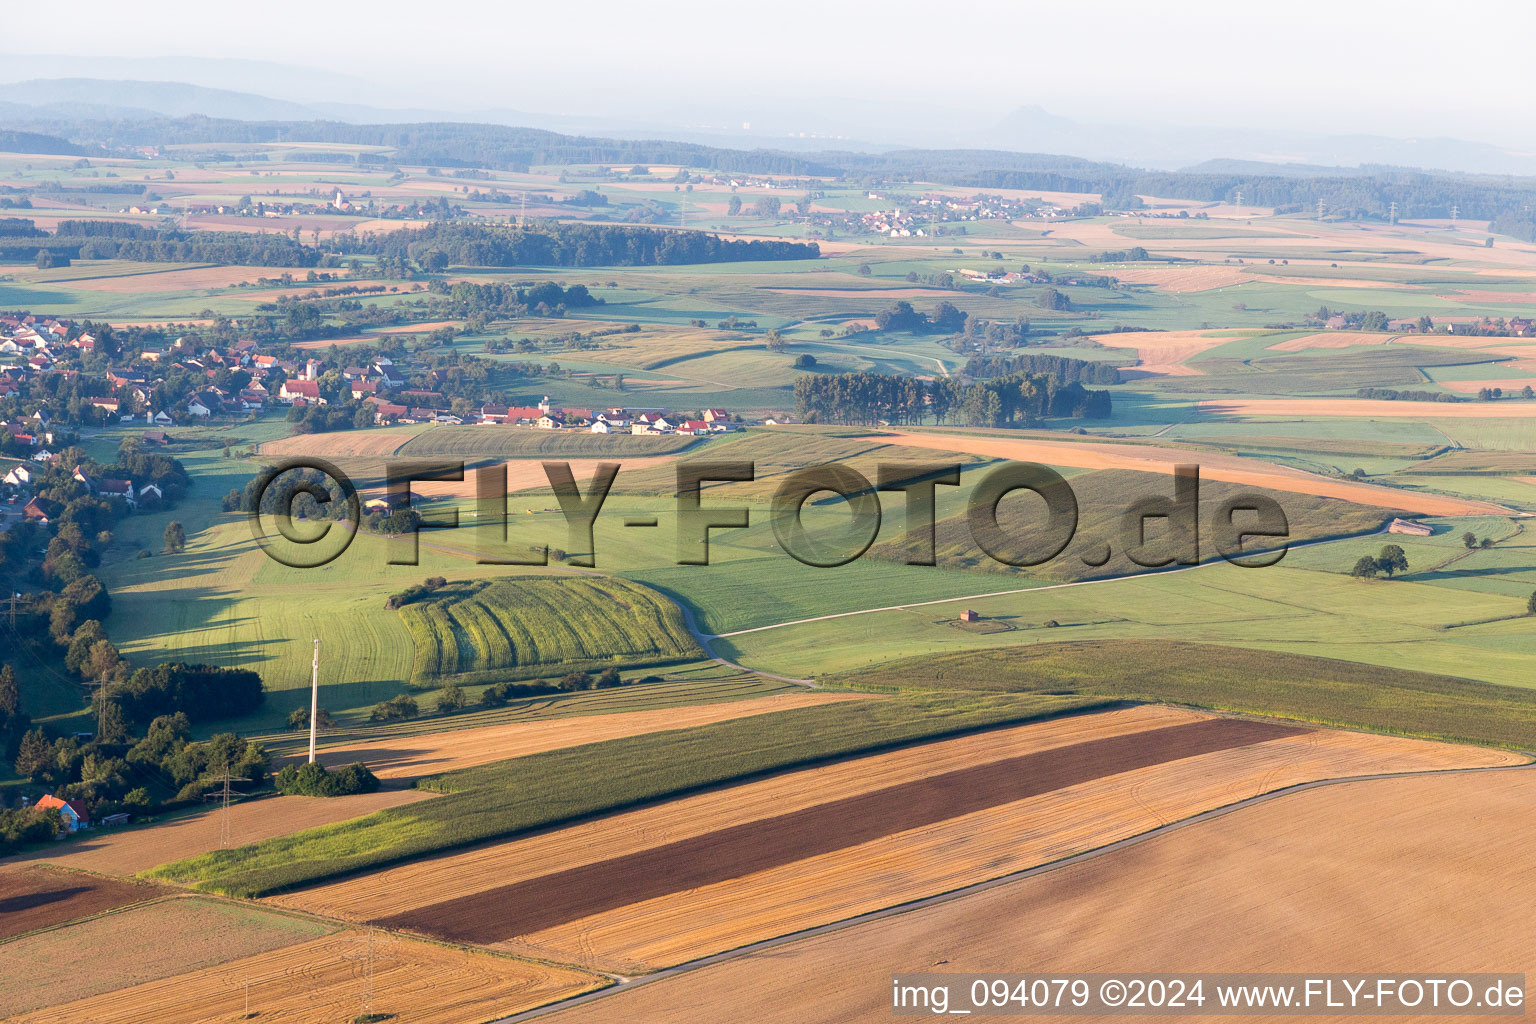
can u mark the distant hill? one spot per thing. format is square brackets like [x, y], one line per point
[32, 142]
[111, 98]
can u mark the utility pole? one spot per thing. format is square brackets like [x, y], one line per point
[314, 700]
[1238, 201]
[1392, 213]
[1455, 210]
[1320, 208]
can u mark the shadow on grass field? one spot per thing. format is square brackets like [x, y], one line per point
[1273, 683]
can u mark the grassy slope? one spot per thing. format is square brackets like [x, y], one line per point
[511, 797]
[1232, 679]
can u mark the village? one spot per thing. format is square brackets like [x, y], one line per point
[41, 357]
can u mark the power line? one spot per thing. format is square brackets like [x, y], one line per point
[223, 797]
[314, 700]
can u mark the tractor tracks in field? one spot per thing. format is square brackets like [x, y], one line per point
[624, 984]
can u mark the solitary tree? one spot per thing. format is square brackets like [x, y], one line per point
[1485, 543]
[1469, 539]
[175, 538]
[298, 718]
[1365, 568]
[450, 699]
[1392, 560]
[1530, 605]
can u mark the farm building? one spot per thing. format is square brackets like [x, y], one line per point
[970, 615]
[1410, 528]
[71, 812]
[391, 502]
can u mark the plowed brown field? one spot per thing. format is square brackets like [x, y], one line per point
[1420, 870]
[414, 756]
[325, 981]
[669, 883]
[33, 897]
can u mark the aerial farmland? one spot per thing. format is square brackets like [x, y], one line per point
[465, 565]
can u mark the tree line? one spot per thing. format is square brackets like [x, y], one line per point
[561, 244]
[1018, 399]
[1061, 368]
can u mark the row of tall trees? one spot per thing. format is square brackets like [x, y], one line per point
[1019, 399]
[560, 244]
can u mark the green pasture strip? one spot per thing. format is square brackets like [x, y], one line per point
[510, 798]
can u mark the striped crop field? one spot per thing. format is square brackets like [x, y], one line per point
[531, 626]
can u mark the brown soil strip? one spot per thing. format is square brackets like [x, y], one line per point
[38, 897]
[544, 902]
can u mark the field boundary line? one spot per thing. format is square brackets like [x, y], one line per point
[993, 883]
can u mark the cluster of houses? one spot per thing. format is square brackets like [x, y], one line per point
[545, 416]
[34, 344]
[1514, 327]
[918, 217]
[24, 476]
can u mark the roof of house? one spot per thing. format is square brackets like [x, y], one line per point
[51, 802]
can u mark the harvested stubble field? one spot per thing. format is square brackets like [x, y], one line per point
[529, 475]
[1167, 352]
[530, 442]
[130, 851]
[1182, 279]
[1354, 876]
[657, 887]
[1367, 408]
[1214, 466]
[175, 280]
[138, 945]
[417, 756]
[1333, 339]
[338, 444]
[539, 791]
[324, 981]
[33, 897]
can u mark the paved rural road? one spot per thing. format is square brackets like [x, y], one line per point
[624, 984]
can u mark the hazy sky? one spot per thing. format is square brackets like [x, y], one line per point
[1403, 67]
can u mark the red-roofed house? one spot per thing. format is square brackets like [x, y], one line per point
[72, 812]
[308, 390]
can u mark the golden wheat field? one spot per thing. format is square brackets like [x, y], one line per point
[327, 981]
[1354, 876]
[621, 865]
